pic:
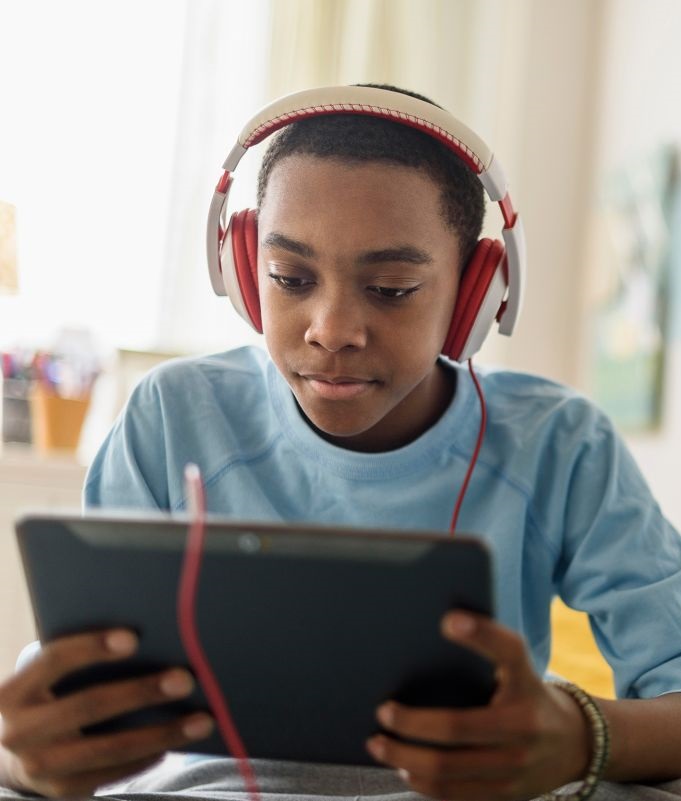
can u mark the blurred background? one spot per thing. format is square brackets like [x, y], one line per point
[117, 116]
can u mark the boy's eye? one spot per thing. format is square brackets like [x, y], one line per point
[288, 283]
[295, 284]
[393, 293]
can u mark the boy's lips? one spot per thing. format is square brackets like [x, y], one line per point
[337, 387]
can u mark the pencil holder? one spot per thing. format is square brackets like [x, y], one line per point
[56, 421]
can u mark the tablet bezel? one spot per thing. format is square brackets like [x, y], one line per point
[62, 601]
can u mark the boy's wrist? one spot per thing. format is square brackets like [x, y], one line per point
[576, 757]
[591, 754]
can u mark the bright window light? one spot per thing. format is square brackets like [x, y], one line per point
[92, 97]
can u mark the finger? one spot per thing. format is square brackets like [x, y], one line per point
[455, 764]
[113, 751]
[59, 658]
[67, 716]
[498, 644]
[489, 726]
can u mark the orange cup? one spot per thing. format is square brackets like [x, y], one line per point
[56, 421]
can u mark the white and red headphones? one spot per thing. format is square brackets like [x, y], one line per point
[492, 282]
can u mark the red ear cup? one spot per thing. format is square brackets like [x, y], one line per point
[244, 235]
[476, 278]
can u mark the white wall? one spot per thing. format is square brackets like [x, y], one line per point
[545, 123]
[639, 110]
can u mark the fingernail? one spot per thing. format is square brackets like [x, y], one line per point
[459, 624]
[403, 774]
[198, 728]
[177, 683]
[121, 641]
[376, 747]
[385, 714]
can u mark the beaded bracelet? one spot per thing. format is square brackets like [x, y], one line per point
[600, 744]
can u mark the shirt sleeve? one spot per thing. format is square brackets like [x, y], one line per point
[130, 469]
[621, 563]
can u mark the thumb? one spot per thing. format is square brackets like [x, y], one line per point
[502, 646]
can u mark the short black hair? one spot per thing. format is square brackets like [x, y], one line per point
[359, 137]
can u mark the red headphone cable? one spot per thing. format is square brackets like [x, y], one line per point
[187, 625]
[478, 445]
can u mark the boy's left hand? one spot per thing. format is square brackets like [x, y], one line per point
[530, 738]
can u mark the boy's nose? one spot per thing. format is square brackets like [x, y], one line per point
[336, 325]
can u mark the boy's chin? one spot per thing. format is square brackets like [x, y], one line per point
[336, 430]
[335, 427]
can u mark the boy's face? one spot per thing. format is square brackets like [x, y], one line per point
[358, 275]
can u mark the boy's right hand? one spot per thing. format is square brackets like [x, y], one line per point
[42, 748]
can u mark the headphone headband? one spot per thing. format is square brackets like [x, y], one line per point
[400, 108]
[374, 102]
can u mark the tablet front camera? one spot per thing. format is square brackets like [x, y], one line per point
[249, 543]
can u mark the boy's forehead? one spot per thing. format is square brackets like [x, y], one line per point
[306, 167]
[364, 210]
[381, 189]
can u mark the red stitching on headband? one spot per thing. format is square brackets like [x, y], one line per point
[448, 139]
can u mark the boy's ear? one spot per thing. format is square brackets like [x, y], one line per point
[239, 265]
[483, 285]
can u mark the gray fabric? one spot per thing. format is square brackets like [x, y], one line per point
[219, 779]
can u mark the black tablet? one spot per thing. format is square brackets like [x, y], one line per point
[307, 628]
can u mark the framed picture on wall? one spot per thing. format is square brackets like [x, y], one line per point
[633, 306]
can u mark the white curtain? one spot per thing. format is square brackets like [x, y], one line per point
[431, 46]
[223, 84]
[88, 95]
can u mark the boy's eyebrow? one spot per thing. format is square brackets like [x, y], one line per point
[277, 240]
[404, 253]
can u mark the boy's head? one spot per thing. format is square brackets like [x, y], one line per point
[363, 226]
[369, 205]
[354, 139]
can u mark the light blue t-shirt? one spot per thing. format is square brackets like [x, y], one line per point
[555, 493]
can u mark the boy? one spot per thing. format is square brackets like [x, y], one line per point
[364, 230]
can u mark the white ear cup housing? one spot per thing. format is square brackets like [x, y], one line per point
[485, 317]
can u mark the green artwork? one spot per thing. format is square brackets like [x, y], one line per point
[632, 316]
